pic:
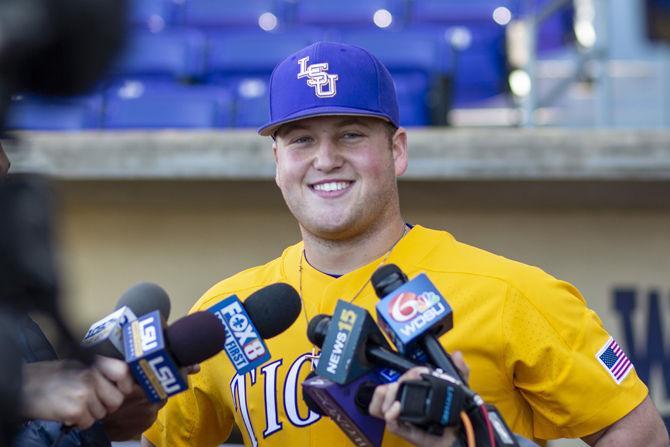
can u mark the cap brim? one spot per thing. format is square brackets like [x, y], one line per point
[272, 126]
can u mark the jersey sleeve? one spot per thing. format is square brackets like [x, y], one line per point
[192, 418]
[553, 342]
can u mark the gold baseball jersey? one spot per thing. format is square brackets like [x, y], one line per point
[534, 349]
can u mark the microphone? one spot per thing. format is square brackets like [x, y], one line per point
[351, 345]
[347, 406]
[154, 355]
[359, 346]
[413, 314]
[145, 297]
[105, 336]
[266, 313]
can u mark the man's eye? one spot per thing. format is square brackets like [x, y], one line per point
[301, 140]
[352, 135]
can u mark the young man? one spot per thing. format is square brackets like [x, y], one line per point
[530, 341]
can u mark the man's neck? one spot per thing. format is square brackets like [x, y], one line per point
[340, 256]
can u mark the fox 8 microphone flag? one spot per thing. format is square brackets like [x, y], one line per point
[244, 345]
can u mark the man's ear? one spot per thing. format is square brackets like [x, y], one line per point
[274, 154]
[399, 148]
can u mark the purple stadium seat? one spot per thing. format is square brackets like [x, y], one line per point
[240, 54]
[171, 54]
[149, 105]
[346, 12]
[480, 69]
[457, 12]
[226, 13]
[35, 113]
[414, 58]
[251, 102]
[153, 15]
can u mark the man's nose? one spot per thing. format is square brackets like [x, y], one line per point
[327, 156]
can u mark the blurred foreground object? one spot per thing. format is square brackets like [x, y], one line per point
[57, 47]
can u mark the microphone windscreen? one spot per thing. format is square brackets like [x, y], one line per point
[364, 395]
[386, 279]
[309, 400]
[317, 329]
[273, 308]
[195, 338]
[146, 297]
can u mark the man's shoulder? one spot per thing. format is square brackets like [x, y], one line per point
[245, 282]
[451, 256]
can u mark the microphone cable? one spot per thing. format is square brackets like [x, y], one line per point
[469, 430]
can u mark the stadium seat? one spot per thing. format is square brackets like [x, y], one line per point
[251, 103]
[347, 13]
[171, 54]
[153, 15]
[140, 104]
[228, 13]
[35, 113]
[233, 56]
[414, 59]
[457, 12]
[480, 68]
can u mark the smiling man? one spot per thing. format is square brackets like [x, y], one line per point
[533, 347]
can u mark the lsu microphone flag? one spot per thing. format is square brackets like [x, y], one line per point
[614, 360]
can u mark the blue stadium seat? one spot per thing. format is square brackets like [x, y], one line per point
[153, 15]
[149, 105]
[171, 54]
[405, 50]
[414, 59]
[346, 12]
[412, 101]
[480, 69]
[251, 103]
[556, 31]
[236, 55]
[227, 13]
[35, 113]
[457, 12]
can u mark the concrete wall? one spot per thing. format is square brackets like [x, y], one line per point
[188, 235]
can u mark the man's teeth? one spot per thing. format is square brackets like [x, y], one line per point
[331, 186]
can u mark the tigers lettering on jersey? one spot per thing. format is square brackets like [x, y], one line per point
[239, 388]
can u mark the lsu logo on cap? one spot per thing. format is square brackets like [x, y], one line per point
[407, 305]
[318, 78]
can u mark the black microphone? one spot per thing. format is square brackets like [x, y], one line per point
[155, 355]
[266, 313]
[273, 309]
[412, 321]
[351, 345]
[194, 338]
[145, 297]
[105, 336]
[352, 349]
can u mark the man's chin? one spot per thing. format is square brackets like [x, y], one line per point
[331, 231]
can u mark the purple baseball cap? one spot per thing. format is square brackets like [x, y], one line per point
[329, 78]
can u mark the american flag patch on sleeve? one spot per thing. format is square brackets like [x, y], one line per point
[614, 360]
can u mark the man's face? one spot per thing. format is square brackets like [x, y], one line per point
[4, 162]
[338, 173]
